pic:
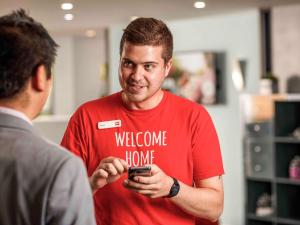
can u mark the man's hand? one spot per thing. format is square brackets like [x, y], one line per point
[109, 170]
[154, 186]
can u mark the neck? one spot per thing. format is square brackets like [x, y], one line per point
[18, 107]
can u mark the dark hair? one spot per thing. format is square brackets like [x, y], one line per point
[149, 31]
[24, 45]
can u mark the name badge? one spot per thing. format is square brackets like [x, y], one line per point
[109, 124]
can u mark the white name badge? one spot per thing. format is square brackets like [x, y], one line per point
[109, 124]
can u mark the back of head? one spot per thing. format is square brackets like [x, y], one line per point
[25, 45]
[149, 31]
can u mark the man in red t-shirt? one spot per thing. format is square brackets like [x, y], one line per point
[144, 125]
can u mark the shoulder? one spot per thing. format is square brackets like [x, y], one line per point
[56, 159]
[101, 102]
[185, 106]
[98, 106]
[33, 158]
[45, 150]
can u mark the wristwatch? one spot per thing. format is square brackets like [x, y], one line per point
[174, 189]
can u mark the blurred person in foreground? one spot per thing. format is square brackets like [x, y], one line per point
[145, 125]
[41, 183]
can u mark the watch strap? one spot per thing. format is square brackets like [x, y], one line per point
[174, 188]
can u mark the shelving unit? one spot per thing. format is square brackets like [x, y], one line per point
[269, 147]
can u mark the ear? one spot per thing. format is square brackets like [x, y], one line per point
[168, 67]
[39, 80]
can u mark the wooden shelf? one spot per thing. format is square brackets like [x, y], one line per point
[281, 180]
[260, 179]
[253, 216]
[288, 221]
[287, 140]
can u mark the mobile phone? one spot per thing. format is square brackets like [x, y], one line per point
[139, 171]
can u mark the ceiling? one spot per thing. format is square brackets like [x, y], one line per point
[102, 13]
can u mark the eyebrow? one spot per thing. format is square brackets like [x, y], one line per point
[147, 62]
[150, 62]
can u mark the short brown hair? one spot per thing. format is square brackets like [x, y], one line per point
[149, 31]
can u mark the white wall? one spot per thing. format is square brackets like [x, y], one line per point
[52, 127]
[76, 80]
[114, 37]
[77, 71]
[63, 86]
[90, 57]
[238, 36]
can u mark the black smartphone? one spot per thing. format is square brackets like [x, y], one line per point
[139, 171]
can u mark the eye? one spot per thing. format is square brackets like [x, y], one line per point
[149, 67]
[127, 64]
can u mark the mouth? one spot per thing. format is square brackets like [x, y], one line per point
[135, 88]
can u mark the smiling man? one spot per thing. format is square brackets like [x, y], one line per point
[145, 125]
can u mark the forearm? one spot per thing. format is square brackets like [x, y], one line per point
[204, 201]
[201, 202]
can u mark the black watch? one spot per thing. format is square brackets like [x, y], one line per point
[174, 189]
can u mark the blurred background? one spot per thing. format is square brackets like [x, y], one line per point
[259, 64]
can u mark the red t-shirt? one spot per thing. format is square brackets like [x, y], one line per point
[177, 135]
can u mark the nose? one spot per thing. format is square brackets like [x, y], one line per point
[138, 73]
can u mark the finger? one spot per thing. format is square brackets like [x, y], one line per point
[131, 188]
[146, 179]
[104, 161]
[110, 169]
[128, 186]
[119, 166]
[140, 186]
[154, 168]
[146, 192]
[101, 173]
[98, 177]
[124, 164]
[108, 159]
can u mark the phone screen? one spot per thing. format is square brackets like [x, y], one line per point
[139, 171]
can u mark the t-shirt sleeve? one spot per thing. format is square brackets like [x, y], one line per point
[74, 138]
[207, 159]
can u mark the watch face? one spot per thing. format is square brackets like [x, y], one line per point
[174, 189]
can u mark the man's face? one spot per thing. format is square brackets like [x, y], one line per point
[141, 73]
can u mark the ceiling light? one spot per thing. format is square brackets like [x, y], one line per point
[69, 16]
[199, 5]
[67, 6]
[90, 33]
